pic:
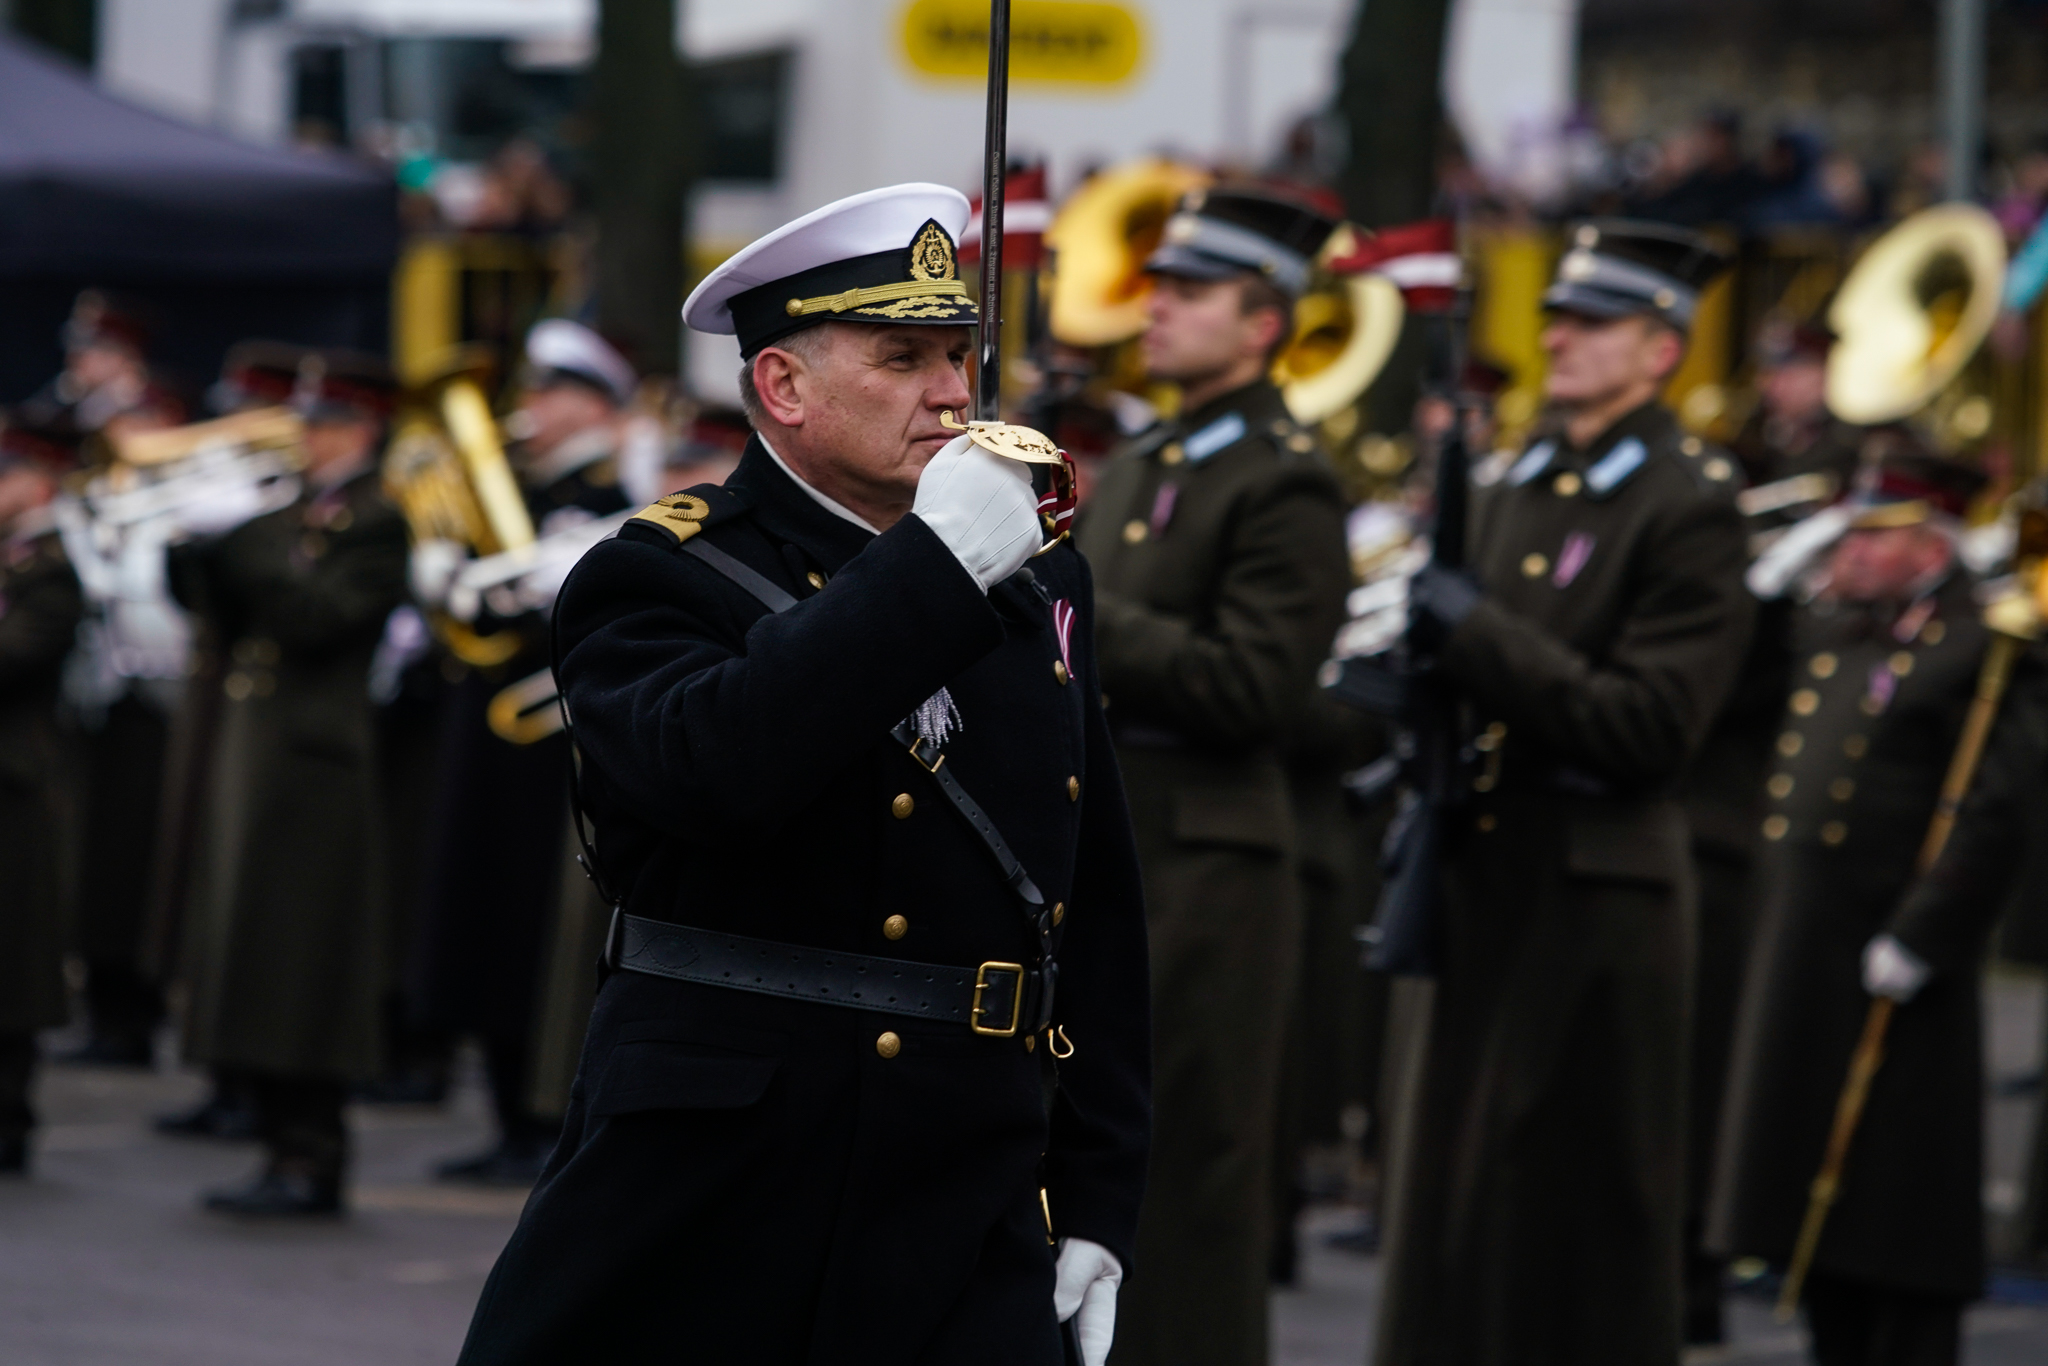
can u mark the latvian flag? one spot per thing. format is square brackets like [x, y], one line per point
[1026, 215]
[1420, 258]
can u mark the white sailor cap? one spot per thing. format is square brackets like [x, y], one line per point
[560, 347]
[885, 256]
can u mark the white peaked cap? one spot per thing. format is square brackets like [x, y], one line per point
[558, 344]
[859, 225]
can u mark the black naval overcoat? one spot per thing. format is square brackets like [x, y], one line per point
[748, 1178]
[40, 605]
[1866, 741]
[1537, 1213]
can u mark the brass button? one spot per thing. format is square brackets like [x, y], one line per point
[1932, 633]
[1059, 911]
[237, 686]
[1173, 453]
[902, 806]
[1486, 822]
[1059, 671]
[817, 580]
[1871, 705]
[1842, 789]
[1718, 470]
[889, 1045]
[1073, 789]
[1691, 445]
[1780, 786]
[1030, 1043]
[1805, 702]
[1134, 531]
[1834, 832]
[1567, 485]
[1534, 565]
[1902, 663]
[1856, 746]
[1301, 443]
[1790, 743]
[1823, 665]
[895, 927]
[1775, 827]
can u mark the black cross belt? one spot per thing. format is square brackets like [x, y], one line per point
[1000, 1000]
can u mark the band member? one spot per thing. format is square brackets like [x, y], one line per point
[1886, 663]
[1217, 540]
[40, 606]
[1792, 432]
[1537, 1204]
[849, 776]
[284, 947]
[503, 805]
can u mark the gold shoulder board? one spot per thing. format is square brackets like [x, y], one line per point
[681, 515]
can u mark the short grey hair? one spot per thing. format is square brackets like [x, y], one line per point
[808, 345]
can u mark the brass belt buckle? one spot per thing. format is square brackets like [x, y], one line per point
[981, 984]
[933, 766]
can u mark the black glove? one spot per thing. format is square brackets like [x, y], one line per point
[1445, 596]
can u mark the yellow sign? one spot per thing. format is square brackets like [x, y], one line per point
[1050, 40]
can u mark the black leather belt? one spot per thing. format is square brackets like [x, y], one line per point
[1000, 1000]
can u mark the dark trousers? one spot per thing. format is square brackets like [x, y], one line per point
[299, 1120]
[17, 1074]
[1856, 1323]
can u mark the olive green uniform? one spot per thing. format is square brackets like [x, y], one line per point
[284, 946]
[39, 611]
[1539, 1191]
[1880, 698]
[1217, 545]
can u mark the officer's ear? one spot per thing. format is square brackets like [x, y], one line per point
[1665, 345]
[776, 386]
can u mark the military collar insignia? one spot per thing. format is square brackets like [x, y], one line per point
[1533, 462]
[1227, 430]
[1614, 469]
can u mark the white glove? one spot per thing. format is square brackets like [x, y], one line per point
[982, 507]
[433, 567]
[1084, 1290]
[1891, 969]
[217, 508]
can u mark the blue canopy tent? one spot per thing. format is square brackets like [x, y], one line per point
[221, 240]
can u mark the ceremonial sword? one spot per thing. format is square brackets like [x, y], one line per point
[988, 430]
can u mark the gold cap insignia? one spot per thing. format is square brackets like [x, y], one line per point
[931, 254]
[1578, 265]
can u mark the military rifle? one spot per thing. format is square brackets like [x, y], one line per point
[1431, 753]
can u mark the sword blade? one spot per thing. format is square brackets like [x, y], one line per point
[995, 169]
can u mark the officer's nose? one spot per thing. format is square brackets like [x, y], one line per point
[950, 391]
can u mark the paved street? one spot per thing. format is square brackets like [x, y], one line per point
[105, 1261]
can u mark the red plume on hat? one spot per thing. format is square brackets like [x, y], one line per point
[1421, 258]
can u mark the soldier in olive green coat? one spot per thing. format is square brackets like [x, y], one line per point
[39, 610]
[1536, 1212]
[1217, 545]
[284, 947]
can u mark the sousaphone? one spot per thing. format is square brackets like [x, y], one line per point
[1912, 313]
[1345, 328]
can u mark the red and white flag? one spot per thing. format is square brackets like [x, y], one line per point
[1420, 258]
[1026, 216]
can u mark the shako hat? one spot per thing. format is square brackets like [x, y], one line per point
[559, 350]
[258, 374]
[883, 256]
[1617, 267]
[1218, 233]
[1901, 482]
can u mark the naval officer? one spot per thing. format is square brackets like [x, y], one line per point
[867, 1077]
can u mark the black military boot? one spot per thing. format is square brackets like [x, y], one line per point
[225, 1114]
[285, 1189]
[13, 1154]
